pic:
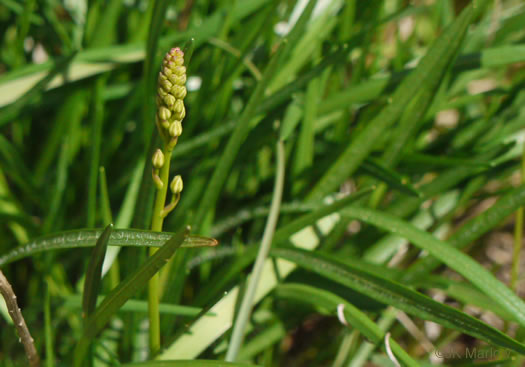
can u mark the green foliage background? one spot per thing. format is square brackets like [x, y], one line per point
[415, 108]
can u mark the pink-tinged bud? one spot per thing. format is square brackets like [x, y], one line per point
[177, 80]
[179, 70]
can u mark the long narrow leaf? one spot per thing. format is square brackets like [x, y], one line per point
[329, 301]
[472, 230]
[94, 273]
[397, 295]
[88, 238]
[238, 136]
[429, 73]
[195, 363]
[449, 255]
[124, 291]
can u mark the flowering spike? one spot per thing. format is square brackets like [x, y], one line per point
[171, 92]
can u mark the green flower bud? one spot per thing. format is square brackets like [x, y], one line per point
[175, 129]
[164, 113]
[158, 159]
[179, 70]
[180, 116]
[178, 91]
[176, 185]
[177, 80]
[178, 106]
[166, 85]
[170, 101]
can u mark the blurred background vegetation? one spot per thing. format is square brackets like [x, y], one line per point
[416, 108]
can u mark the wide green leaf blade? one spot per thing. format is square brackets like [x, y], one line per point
[396, 295]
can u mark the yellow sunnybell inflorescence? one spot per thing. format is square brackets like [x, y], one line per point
[170, 96]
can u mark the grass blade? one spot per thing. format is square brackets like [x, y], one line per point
[329, 302]
[284, 233]
[137, 305]
[94, 273]
[376, 169]
[195, 363]
[247, 301]
[441, 250]
[118, 296]
[397, 295]
[241, 130]
[472, 230]
[88, 238]
[429, 73]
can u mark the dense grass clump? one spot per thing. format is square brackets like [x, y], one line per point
[344, 183]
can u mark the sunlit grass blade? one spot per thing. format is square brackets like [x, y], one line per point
[29, 94]
[88, 238]
[94, 273]
[397, 295]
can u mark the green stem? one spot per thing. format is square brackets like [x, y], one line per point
[153, 286]
[247, 301]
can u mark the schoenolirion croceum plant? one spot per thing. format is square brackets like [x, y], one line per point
[171, 91]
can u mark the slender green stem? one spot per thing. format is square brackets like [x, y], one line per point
[153, 286]
[247, 301]
[518, 235]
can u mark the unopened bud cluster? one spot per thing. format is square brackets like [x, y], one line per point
[170, 94]
[171, 91]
